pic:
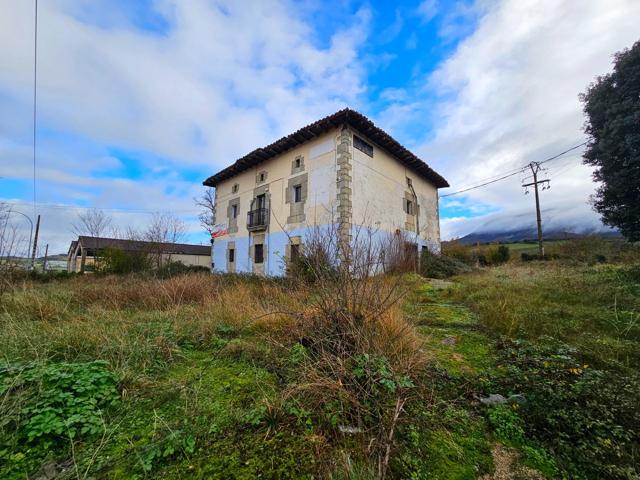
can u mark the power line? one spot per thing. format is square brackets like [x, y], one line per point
[35, 84]
[516, 172]
[562, 153]
[482, 184]
[492, 177]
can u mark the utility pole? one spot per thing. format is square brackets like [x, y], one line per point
[535, 169]
[35, 244]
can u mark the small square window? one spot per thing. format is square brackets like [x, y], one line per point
[363, 146]
[258, 253]
[235, 188]
[409, 182]
[297, 193]
[409, 207]
[232, 255]
[234, 211]
[296, 162]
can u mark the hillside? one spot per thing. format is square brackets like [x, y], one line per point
[528, 234]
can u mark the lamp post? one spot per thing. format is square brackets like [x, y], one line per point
[30, 223]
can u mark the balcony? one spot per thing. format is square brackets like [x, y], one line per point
[258, 219]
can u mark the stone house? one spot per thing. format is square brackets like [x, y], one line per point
[340, 170]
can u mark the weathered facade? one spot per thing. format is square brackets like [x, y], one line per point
[341, 170]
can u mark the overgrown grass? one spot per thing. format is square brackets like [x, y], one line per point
[568, 345]
[240, 377]
[596, 308]
[203, 364]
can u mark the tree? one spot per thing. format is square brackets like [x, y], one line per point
[612, 108]
[163, 228]
[207, 216]
[93, 222]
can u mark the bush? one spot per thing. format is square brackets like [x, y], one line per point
[115, 260]
[472, 255]
[172, 269]
[499, 255]
[533, 257]
[462, 253]
[593, 249]
[587, 417]
[441, 266]
[359, 359]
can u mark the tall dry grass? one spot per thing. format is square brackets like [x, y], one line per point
[362, 361]
[135, 323]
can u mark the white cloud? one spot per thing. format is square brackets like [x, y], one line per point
[509, 95]
[224, 78]
[427, 10]
[224, 70]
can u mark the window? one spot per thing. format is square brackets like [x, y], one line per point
[297, 193]
[409, 207]
[258, 254]
[409, 182]
[296, 162]
[295, 253]
[234, 211]
[232, 255]
[235, 188]
[363, 146]
[262, 177]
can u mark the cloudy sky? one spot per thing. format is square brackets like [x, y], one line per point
[138, 102]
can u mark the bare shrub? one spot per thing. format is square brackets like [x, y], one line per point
[399, 252]
[459, 251]
[12, 246]
[361, 358]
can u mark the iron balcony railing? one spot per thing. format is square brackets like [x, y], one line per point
[258, 219]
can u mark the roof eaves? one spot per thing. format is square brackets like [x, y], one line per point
[342, 117]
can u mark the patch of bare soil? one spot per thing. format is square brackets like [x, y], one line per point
[508, 468]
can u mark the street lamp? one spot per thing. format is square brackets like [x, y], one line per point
[30, 234]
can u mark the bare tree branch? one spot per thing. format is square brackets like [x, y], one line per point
[207, 216]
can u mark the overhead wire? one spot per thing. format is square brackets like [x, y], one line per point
[516, 172]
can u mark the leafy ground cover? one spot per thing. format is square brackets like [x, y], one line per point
[567, 341]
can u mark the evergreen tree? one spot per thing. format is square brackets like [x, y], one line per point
[612, 108]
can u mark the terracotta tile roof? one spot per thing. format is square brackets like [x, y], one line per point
[94, 243]
[346, 116]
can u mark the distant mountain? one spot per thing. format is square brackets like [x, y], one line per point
[529, 234]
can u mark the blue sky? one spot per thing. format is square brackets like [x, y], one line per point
[140, 101]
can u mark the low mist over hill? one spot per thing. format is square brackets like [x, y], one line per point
[556, 225]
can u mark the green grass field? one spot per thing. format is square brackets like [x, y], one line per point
[200, 377]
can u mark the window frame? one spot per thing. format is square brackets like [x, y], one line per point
[362, 145]
[409, 207]
[297, 193]
[235, 210]
[255, 253]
